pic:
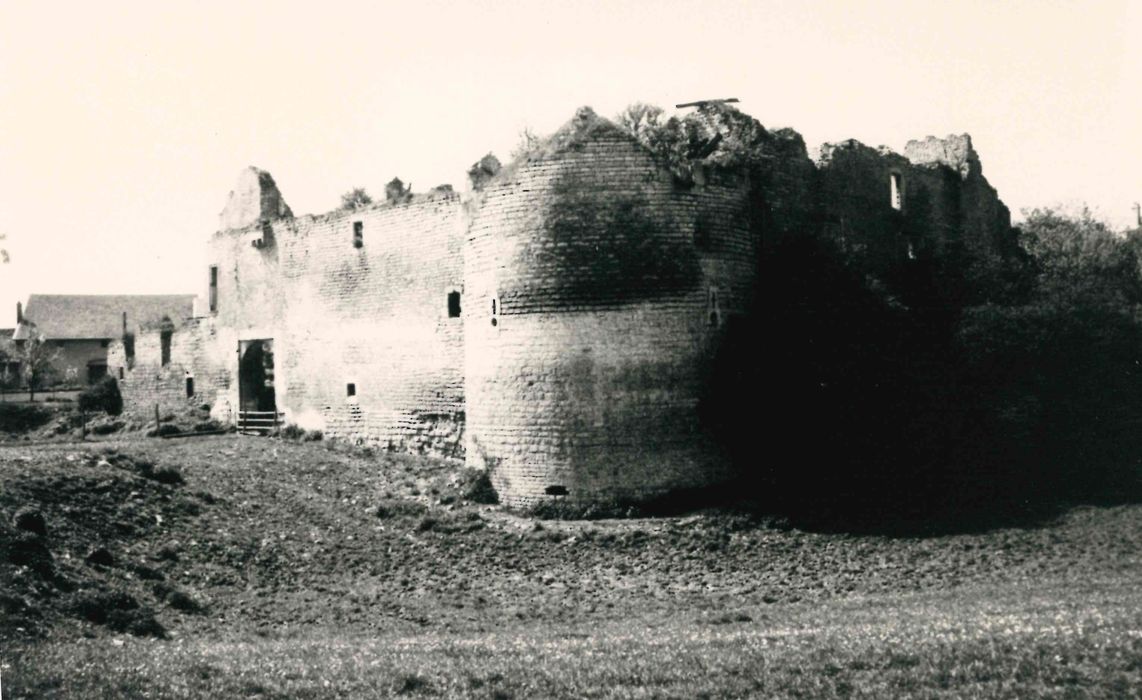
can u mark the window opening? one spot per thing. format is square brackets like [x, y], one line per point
[896, 198]
[190, 387]
[350, 389]
[453, 304]
[358, 234]
[713, 309]
[213, 288]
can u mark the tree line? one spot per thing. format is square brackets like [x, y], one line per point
[960, 387]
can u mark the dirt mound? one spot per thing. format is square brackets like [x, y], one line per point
[84, 543]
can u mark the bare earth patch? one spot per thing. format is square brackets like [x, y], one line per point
[282, 569]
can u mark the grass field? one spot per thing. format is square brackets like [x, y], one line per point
[283, 569]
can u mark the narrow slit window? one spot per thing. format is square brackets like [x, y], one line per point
[713, 309]
[495, 311]
[453, 304]
[213, 288]
[122, 373]
[190, 387]
[896, 191]
[351, 389]
[358, 234]
[165, 347]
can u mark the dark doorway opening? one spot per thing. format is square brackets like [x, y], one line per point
[96, 371]
[256, 376]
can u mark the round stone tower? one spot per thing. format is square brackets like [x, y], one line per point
[597, 290]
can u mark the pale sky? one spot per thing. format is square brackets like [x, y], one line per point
[123, 126]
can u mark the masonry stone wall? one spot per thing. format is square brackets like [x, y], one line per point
[985, 222]
[945, 202]
[585, 382]
[354, 298]
[855, 194]
[145, 382]
[595, 290]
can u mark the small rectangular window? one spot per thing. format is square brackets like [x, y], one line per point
[495, 311]
[190, 387]
[121, 373]
[213, 288]
[165, 347]
[896, 195]
[358, 234]
[350, 389]
[453, 304]
[713, 309]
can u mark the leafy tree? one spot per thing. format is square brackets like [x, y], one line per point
[36, 358]
[528, 141]
[356, 198]
[1079, 260]
[1057, 380]
[640, 118]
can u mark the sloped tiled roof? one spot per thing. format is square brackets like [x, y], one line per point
[75, 316]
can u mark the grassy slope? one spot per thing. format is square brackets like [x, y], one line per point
[307, 593]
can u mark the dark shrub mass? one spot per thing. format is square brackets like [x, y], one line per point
[932, 392]
[103, 396]
[20, 418]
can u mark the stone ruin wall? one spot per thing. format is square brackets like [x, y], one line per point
[376, 317]
[946, 203]
[602, 267]
[612, 284]
[146, 383]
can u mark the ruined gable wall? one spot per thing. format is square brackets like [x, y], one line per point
[984, 221]
[855, 197]
[591, 377]
[946, 202]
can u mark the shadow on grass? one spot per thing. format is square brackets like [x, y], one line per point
[858, 509]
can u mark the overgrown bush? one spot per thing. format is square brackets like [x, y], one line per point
[20, 418]
[164, 429]
[902, 397]
[476, 486]
[291, 432]
[714, 135]
[397, 508]
[102, 396]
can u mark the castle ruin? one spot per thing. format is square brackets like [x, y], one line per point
[556, 325]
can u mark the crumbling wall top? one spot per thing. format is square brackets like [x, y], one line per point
[254, 198]
[955, 151]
